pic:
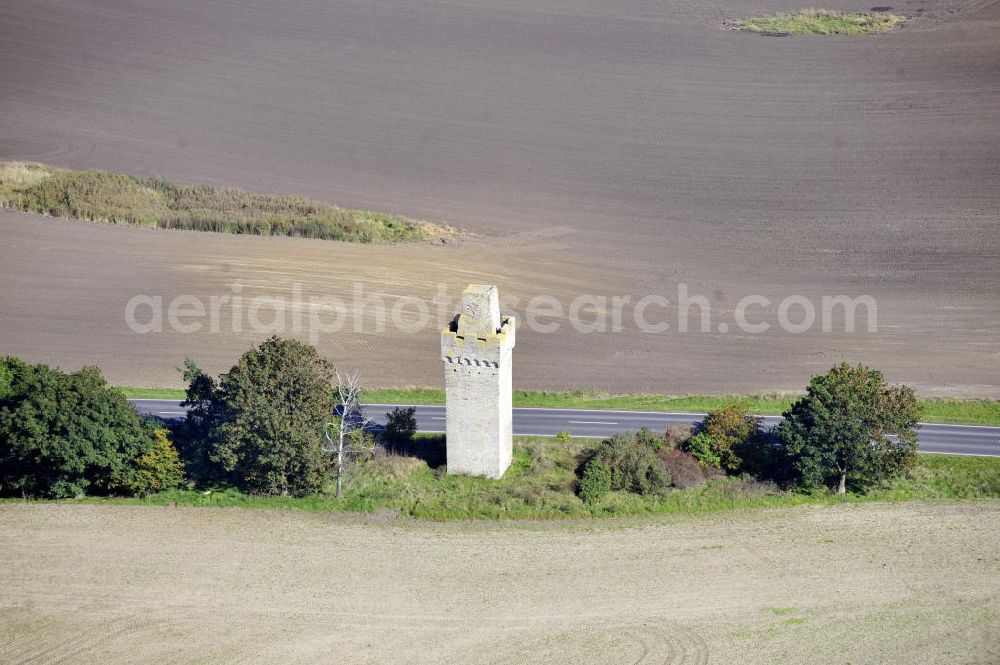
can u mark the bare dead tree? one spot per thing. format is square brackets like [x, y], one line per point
[348, 426]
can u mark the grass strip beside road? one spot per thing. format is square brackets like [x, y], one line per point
[936, 409]
[134, 392]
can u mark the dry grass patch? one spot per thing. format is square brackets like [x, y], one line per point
[821, 22]
[122, 199]
[22, 174]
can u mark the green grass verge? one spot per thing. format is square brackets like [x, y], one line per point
[961, 411]
[822, 22]
[581, 399]
[121, 199]
[152, 393]
[541, 485]
[936, 409]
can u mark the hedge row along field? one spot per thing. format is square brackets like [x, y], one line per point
[266, 433]
[153, 202]
[543, 484]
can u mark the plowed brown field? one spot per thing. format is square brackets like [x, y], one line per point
[592, 147]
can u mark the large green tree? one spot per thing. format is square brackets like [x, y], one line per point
[851, 426]
[264, 422]
[64, 435]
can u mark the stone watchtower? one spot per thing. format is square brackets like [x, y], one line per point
[476, 350]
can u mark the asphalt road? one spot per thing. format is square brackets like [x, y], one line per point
[934, 438]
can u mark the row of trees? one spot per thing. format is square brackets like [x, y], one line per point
[281, 421]
[850, 429]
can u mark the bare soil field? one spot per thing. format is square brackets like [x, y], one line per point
[590, 147]
[873, 583]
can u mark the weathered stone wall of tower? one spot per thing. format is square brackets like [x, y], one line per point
[476, 349]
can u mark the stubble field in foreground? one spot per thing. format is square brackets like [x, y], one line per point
[915, 582]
